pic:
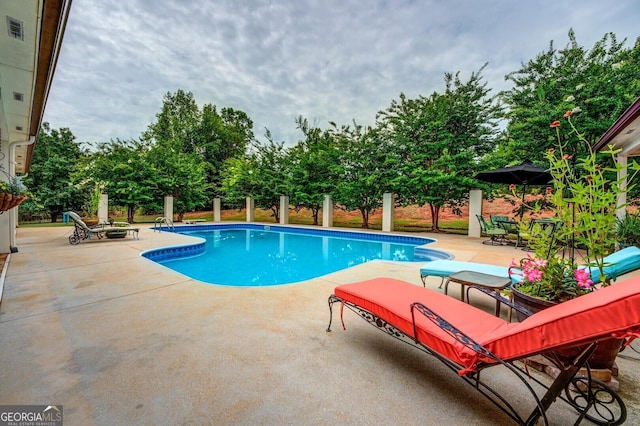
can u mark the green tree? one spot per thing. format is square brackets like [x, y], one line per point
[312, 173]
[361, 170]
[121, 168]
[219, 137]
[260, 175]
[55, 158]
[181, 175]
[236, 180]
[602, 82]
[269, 170]
[437, 140]
[176, 124]
[181, 170]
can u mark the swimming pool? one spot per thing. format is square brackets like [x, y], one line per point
[262, 255]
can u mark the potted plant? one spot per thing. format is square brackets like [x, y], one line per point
[583, 196]
[90, 217]
[11, 193]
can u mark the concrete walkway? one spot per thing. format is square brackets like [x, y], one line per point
[117, 339]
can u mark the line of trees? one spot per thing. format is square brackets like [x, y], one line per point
[425, 149]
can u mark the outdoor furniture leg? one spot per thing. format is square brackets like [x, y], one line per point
[561, 382]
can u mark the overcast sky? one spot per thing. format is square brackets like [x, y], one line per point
[335, 60]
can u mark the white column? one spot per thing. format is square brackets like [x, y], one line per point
[622, 194]
[7, 220]
[13, 226]
[250, 207]
[388, 207]
[168, 207]
[216, 209]
[475, 207]
[327, 212]
[103, 208]
[284, 210]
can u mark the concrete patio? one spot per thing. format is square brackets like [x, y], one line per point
[117, 339]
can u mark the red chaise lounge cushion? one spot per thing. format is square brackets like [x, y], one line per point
[610, 311]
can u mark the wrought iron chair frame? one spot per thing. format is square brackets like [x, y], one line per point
[592, 397]
[497, 234]
[85, 232]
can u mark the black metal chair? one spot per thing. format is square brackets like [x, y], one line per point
[542, 226]
[496, 234]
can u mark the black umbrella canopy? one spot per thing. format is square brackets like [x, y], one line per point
[526, 173]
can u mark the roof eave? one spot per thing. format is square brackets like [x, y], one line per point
[54, 20]
[631, 114]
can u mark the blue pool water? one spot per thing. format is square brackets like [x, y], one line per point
[263, 255]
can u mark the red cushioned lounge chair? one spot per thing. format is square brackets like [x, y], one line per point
[469, 340]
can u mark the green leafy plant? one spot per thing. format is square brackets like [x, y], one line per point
[583, 196]
[10, 184]
[12, 187]
[628, 230]
[94, 202]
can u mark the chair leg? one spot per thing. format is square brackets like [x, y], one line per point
[493, 241]
[558, 385]
[446, 285]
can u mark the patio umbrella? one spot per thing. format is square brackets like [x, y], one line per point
[523, 174]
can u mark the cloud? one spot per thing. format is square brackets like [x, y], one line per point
[326, 60]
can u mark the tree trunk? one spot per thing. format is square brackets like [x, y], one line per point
[315, 212]
[55, 213]
[365, 218]
[130, 210]
[435, 217]
[180, 216]
[276, 213]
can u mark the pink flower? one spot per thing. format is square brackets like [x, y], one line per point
[533, 269]
[532, 275]
[541, 263]
[583, 277]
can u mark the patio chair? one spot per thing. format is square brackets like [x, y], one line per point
[542, 225]
[508, 224]
[616, 264]
[497, 219]
[496, 234]
[469, 340]
[83, 232]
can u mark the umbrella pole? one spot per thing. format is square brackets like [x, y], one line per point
[524, 191]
